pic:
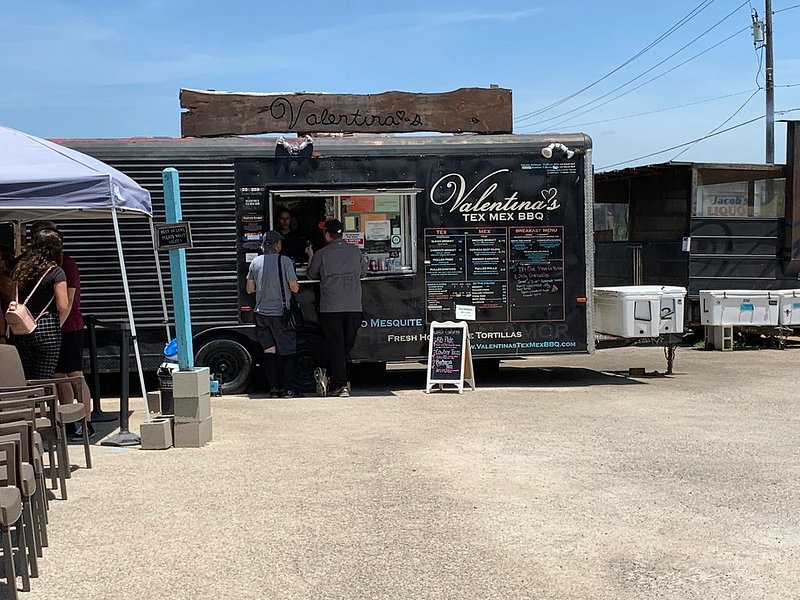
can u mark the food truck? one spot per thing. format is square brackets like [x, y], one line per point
[494, 229]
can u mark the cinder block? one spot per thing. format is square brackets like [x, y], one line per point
[154, 402]
[156, 435]
[192, 410]
[190, 384]
[193, 435]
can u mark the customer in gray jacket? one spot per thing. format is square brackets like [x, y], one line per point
[339, 267]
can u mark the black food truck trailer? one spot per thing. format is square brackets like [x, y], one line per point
[500, 226]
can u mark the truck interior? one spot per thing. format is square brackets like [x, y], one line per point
[381, 224]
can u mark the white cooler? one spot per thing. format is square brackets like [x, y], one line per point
[738, 307]
[639, 311]
[789, 307]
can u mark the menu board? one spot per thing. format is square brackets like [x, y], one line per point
[449, 357]
[251, 217]
[446, 353]
[537, 273]
[506, 273]
[466, 266]
[444, 254]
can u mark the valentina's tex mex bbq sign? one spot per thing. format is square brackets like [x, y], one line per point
[473, 110]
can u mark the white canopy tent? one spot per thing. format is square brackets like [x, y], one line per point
[42, 180]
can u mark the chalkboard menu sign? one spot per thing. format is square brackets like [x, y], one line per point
[172, 236]
[537, 273]
[449, 356]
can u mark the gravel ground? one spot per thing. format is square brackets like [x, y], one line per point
[560, 477]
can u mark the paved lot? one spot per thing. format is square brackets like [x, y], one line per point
[560, 478]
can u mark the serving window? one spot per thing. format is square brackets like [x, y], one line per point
[381, 224]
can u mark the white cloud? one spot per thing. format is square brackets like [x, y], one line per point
[468, 16]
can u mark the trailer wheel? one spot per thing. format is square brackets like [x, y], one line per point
[229, 361]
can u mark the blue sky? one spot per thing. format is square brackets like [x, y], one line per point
[114, 69]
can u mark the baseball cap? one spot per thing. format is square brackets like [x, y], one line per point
[271, 238]
[334, 226]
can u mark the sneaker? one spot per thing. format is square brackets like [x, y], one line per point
[274, 393]
[291, 394]
[321, 379]
[77, 435]
[342, 392]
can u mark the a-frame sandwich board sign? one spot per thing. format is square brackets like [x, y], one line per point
[449, 357]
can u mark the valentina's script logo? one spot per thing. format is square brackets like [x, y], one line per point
[283, 109]
[474, 202]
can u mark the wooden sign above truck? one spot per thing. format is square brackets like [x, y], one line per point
[472, 110]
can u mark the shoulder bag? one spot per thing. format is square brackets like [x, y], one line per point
[292, 315]
[18, 318]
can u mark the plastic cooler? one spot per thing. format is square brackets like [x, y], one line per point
[639, 311]
[789, 307]
[738, 307]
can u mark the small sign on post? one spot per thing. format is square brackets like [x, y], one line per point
[172, 236]
[449, 357]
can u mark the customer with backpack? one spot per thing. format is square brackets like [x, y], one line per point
[41, 285]
[272, 279]
[70, 356]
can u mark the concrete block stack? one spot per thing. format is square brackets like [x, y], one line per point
[192, 397]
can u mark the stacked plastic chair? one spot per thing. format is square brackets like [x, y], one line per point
[31, 418]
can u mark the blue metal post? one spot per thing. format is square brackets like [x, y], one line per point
[177, 267]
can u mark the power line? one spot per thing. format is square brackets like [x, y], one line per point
[658, 64]
[725, 122]
[775, 12]
[693, 13]
[676, 107]
[760, 63]
[660, 110]
[700, 139]
[652, 79]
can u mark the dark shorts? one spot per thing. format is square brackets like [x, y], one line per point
[70, 357]
[272, 332]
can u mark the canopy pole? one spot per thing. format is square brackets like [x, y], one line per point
[124, 437]
[160, 279]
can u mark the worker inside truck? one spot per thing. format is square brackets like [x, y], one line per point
[294, 242]
[380, 224]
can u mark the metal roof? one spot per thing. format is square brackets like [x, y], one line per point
[353, 145]
[644, 170]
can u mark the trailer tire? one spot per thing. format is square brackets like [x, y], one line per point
[229, 360]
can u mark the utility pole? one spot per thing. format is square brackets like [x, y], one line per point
[770, 83]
